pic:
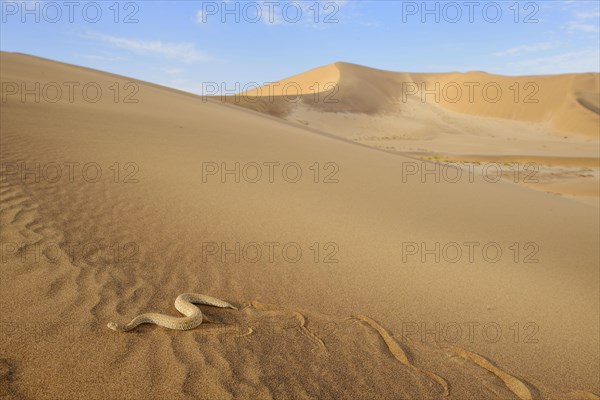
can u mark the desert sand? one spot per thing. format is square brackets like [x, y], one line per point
[549, 121]
[141, 213]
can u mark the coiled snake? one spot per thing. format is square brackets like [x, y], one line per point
[185, 305]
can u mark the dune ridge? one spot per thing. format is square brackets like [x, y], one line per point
[551, 121]
[567, 102]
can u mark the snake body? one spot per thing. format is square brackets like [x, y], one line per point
[185, 305]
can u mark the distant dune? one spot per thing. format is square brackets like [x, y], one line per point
[464, 117]
[147, 207]
[566, 102]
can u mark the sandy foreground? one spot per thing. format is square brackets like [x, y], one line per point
[353, 276]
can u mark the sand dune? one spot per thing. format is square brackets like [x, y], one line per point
[566, 102]
[80, 252]
[458, 116]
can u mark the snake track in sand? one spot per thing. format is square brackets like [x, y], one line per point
[185, 305]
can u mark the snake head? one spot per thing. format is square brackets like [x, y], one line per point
[114, 326]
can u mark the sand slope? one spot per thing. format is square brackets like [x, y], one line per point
[453, 116]
[317, 330]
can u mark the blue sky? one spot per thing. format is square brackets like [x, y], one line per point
[185, 43]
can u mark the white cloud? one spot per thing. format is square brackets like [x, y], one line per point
[185, 52]
[587, 14]
[173, 71]
[585, 17]
[199, 18]
[578, 26]
[526, 49]
[582, 60]
[102, 58]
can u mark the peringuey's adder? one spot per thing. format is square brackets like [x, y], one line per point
[183, 304]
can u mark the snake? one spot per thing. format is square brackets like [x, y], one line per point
[185, 305]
